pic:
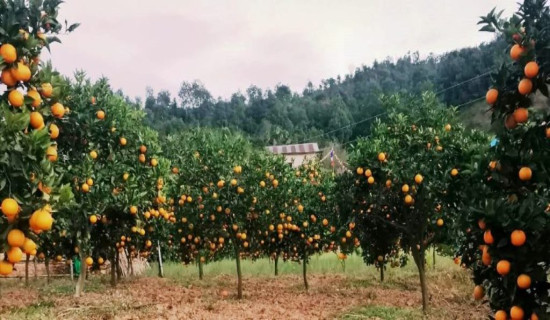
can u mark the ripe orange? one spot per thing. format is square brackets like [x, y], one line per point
[525, 174]
[37, 100]
[447, 127]
[547, 131]
[36, 121]
[41, 220]
[100, 261]
[122, 141]
[440, 222]
[510, 122]
[516, 52]
[21, 72]
[10, 207]
[100, 114]
[5, 268]
[481, 223]
[90, 182]
[359, 171]
[521, 115]
[534, 316]
[58, 110]
[16, 238]
[54, 131]
[524, 281]
[176, 170]
[486, 257]
[488, 237]
[154, 162]
[501, 315]
[51, 153]
[142, 149]
[16, 99]
[408, 200]
[491, 96]
[47, 90]
[525, 86]
[405, 188]
[89, 261]
[7, 78]
[29, 246]
[516, 313]
[531, 69]
[15, 254]
[8, 53]
[418, 178]
[93, 100]
[237, 169]
[503, 267]
[93, 154]
[479, 292]
[517, 238]
[370, 180]
[93, 219]
[381, 156]
[133, 209]
[275, 183]
[454, 172]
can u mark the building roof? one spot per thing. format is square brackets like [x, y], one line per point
[294, 148]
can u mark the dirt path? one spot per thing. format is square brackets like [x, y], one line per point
[329, 297]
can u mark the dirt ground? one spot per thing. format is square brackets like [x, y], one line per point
[329, 297]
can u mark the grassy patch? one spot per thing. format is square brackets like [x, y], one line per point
[386, 313]
[39, 310]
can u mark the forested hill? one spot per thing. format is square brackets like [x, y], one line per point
[281, 116]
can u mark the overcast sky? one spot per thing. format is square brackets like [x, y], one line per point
[229, 45]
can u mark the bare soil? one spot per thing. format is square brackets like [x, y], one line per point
[329, 297]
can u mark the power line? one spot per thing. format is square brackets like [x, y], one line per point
[385, 112]
[346, 126]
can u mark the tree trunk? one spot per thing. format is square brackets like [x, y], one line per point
[200, 269]
[27, 270]
[239, 274]
[161, 268]
[433, 261]
[304, 272]
[47, 263]
[117, 265]
[418, 256]
[276, 265]
[34, 267]
[130, 265]
[72, 271]
[81, 276]
[113, 270]
[382, 273]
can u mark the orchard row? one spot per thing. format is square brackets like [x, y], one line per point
[83, 175]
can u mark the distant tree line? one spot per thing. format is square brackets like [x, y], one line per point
[281, 116]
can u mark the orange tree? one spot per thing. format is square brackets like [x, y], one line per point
[354, 218]
[275, 195]
[510, 223]
[222, 176]
[191, 185]
[103, 135]
[306, 221]
[409, 173]
[28, 187]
